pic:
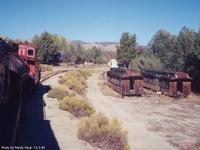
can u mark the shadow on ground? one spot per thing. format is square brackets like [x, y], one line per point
[34, 129]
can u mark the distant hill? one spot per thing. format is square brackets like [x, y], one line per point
[78, 41]
[104, 46]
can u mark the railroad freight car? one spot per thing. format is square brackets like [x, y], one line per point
[13, 71]
[173, 84]
[125, 82]
[15, 83]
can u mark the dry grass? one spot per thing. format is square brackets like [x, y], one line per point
[106, 134]
[58, 92]
[75, 81]
[79, 107]
[108, 91]
[46, 68]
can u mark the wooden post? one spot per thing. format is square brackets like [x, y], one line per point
[121, 86]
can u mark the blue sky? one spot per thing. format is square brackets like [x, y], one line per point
[97, 20]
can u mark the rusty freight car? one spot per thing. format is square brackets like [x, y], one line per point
[125, 82]
[173, 84]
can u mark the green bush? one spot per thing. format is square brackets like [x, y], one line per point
[74, 81]
[106, 134]
[58, 93]
[77, 106]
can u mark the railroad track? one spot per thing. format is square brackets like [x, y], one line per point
[51, 74]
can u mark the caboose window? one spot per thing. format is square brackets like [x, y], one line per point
[30, 52]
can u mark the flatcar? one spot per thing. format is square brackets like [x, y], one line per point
[173, 84]
[125, 82]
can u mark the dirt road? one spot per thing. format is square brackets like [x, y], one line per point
[153, 123]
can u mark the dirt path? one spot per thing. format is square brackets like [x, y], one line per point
[151, 125]
[63, 124]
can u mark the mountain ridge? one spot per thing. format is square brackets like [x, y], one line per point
[104, 46]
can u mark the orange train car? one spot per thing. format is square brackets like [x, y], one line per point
[125, 82]
[28, 53]
[173, 84]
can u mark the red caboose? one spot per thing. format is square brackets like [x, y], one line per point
[28, 53]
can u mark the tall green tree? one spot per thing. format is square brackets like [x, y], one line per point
[93, 55]
[192, 63]
[126, 51]
[164, 46]
[146, 60]
[79, 53]
[69, 54]
[185, 44]
[61, 42]
[47, 47]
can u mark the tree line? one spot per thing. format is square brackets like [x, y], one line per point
[53, 48]
[165, 51]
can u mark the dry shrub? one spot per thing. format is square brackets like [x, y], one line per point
[74, 81]
[106, 134]
[77, 106]
[85, 73]
[46, 68]
[58, 93]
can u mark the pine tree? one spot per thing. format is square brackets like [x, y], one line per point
[126, 50]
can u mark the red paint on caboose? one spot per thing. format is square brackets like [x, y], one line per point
[28, 53]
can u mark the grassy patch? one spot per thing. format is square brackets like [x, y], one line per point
[77, 106]
[46, 68]
[58, 93]
[75, 80]
[106, 134]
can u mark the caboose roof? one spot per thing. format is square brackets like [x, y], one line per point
[119, 73]
[166, 75]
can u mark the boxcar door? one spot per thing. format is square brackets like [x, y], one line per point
[132, 83]
[180, 86]
[172, 89]
[186, 88]
[126, 87]
[138, 86]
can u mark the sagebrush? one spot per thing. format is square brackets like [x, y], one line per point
[75, 81]
[79, 107]
[106, 134]
[58, 92]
